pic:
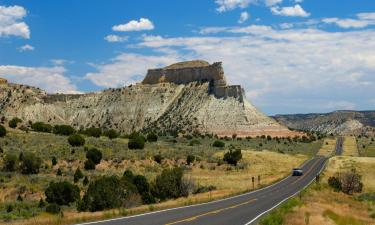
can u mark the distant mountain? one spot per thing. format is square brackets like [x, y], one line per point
[343, 122]
[184, 98]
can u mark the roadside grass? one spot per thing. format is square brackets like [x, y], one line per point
[276, 217]
[271, 164]
[328, 147]
[349, 146]
[366, 146]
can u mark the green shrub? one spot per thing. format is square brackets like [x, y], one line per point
[78, 175]
[107, 193]
[233, 156]
[190, 159]
[134, 135]
[30, 163]
[59, 172]
[335, 183]
[111, 134]
[54, 161]
[10, 162]
[128, 175]
[76, 140]
[169, 184]
[94, 155]
[152, 137]
[158, 158]
[53, 208]
[41, 127]
[3, 131]
[89, 165]
[41, 203]
[14, 122]
[63, 130]
[204, 189]
[62, 193]
[85, 181]
[194, 142]
[138, 142]
[141, 184]
[93, 132]
[218, 144]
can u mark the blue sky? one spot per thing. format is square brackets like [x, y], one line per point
[291, 56]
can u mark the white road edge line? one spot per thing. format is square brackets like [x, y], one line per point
[182, 207]
[261, 214]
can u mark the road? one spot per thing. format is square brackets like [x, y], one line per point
[239, 210]
[338, 148]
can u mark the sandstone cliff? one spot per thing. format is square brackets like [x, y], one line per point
[184, 97]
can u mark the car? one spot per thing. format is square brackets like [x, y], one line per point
[297, 172]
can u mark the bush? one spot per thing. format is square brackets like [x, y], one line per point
[218, 144]
[62, 193]
[76, 140]
[54, 161]
[85, 181]
[30, 163]
[128, 175]
[63, 130]
[94, 155]
[143, 188]
[169, 184]
[190, 159]
[137, 142]
[233, 156]
[53, 208]
[10, 162]
[152, 137]
[158, 158]
[335, 183]
[93, 132]
[111, 134]
[59, 172]
[41, 127]
[78, 175]
[107, 193]
[194, 142]
[3, 131]
[14, 122]
[204, 189]
[89, 165]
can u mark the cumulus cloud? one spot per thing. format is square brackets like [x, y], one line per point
[26, 47]
[128, 69]
[116, 38]
[227, 5]
[243, 17]
[50, 79]
[296, 10]
[362, 20]
[272, 2]
[11, 23]
[134, 25]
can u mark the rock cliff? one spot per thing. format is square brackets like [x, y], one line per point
[184, 98]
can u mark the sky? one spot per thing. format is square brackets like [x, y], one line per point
[290, 56]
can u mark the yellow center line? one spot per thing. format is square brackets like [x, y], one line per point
[211, 212]
[311, 168]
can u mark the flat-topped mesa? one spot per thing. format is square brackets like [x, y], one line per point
[195, 71]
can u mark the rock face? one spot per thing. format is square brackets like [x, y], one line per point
[338, 122]
[182, 98]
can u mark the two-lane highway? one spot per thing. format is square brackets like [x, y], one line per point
[238, 210]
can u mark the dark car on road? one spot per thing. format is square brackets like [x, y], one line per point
[297, 172]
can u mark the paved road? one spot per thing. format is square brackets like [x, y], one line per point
[238, 210]
[338, 148]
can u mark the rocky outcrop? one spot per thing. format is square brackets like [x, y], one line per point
[180, 98]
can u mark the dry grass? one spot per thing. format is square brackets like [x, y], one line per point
[365, 166]
[326, 207]
[328, 147]
[269, 165]
[350, 147]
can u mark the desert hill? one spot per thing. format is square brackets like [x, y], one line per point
[182, 98]
[344, 122]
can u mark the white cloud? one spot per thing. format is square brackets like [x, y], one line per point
[11, 22]
[272, 2]
[128, 69]
[50, 79]
[60, 62]
[134, 25]
[362, 20]
[298, 1]
[251, 29]
[243, 17]
[116, 38]
[227, 5]
[26, 47]
[296, 10]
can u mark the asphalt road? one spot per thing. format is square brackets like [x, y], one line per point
[338, 148]
[239, 210]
